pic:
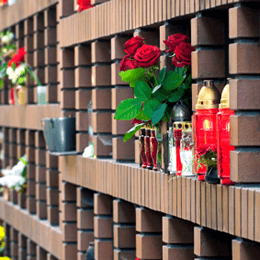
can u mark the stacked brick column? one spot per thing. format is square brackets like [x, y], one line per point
[67, 82]
[101, 81]
[68, 222]
[85, 221]
[149, 239]
[40, 161]
[208, 60]
[103, 227]
[31, 250]
[244, 68]
[50, 37]
[6, 147]
[120, 92]
[20, 140]
[178, 234]
[41, 254]
[7, 249]
[38, 55]
[211, 244]
[52, 184]
[29, 48]
[13, 146]
[19, 33]
[124, 230]
[243, 249]
[13, 243]
[30, 152]
[22, 247]
[83, 94]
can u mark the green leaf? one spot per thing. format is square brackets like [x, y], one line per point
[1, 83]
[176, 95]
[158, 113]
[162, 75]
[142, 116]
[161, 95]
[13, 65]
[142, 91]
[156, 88]
[172, 80]
[130, 133]
[128, 109]
[149, 107]
[131, 75]
[182, 71]
[188, 81]
[133, 82]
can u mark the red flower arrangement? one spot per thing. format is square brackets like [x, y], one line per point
[3, 2]
[207, 156]
[174, 40]
[84, 5]
[178, 44]
[18, 58]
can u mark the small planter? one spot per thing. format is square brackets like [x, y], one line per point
[21, 93]
[212, 176]
[60, 135]
[41, 94]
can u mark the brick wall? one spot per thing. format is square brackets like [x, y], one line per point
[127, 211]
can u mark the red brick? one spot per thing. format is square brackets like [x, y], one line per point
[123, 212]
[243, 22]
[101, 122]
[209, 243]
[208, 64]
[85, 219]
[207, 31]
[103, 250]
[83, 97]
[178, 253]
[84, 238]
[82, 77]
[244, 58]
[82, 55]
[67, 58]
[244, 166]
[101, 75]
[123, 151]
[177, 231]
[148, 247]
[148, 221]
[124, 236]
[119, 94]
[102, 204]
[244, 93]
[100, 51]
[101, 98]
[69, 232]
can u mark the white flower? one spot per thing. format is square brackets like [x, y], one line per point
[20, 69]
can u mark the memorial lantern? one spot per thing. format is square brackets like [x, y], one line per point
[180, 114]
[223, 137]
[204, 122]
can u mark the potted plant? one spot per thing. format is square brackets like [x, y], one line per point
[207, 156]
[156, 91]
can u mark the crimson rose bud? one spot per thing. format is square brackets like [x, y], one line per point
[127, 63]
[182, 55]
[147, 56]
[132, 45]
[174, 40]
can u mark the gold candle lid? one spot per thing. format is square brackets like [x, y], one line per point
[186, 126]
[208, 96]
[224, 102]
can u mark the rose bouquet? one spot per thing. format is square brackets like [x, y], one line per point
[83, 5]
[155, 91]
[207, 156]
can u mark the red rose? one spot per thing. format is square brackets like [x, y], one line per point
[201, 150]
[84, 5]
[17, 58]
[147, 56]
[3, 2]
[174, 40]
[212, 148]
[127, 63]
[182, 55]
[132, 45]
